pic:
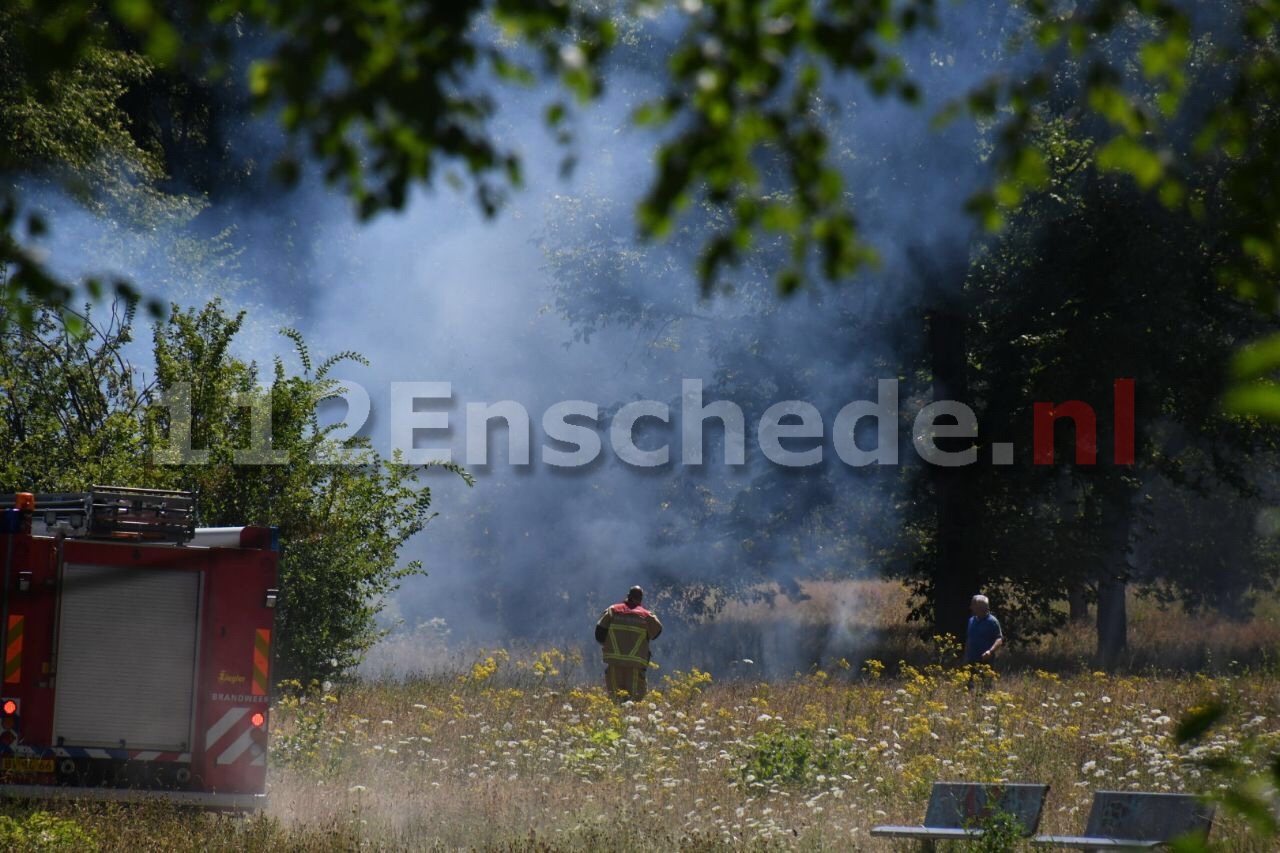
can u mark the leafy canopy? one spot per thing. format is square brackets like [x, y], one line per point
[72, 415]
[385, 95]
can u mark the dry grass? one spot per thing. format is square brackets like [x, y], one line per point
[514, 755]
[856, 620]
[525, 752]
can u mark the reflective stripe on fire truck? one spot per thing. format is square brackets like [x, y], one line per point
[238, 747]
[261, 656]
[220, 728]
[161, 756]
[115, 754]
[13, 650]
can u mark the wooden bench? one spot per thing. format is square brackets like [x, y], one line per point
[956, 810]
[1128, 820]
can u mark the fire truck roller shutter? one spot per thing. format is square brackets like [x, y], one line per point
[217, 537]
[126, 657]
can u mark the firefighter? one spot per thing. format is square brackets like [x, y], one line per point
[624, 632]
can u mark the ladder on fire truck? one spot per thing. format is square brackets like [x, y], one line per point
[114, 512]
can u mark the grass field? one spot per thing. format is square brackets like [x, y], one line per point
[856, 620]
[522, 752]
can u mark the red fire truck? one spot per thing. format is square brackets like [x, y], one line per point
[137, 650]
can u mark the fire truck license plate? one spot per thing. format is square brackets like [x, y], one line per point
[27, 765]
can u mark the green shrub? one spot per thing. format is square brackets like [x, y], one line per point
[42, 831]
[1001, 833]
[789, 757]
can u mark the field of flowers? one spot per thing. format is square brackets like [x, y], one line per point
[512, 755]
[520, 755]
[524, 750]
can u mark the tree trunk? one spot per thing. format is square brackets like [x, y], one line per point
[1113, 575]
[956, 576]
[1078, 603]
[1113, 620]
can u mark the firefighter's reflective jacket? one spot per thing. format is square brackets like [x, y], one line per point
[625, 633]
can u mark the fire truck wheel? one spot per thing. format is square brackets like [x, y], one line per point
[182, 776]
[67, 767]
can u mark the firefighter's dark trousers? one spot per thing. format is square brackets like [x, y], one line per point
[619, 678]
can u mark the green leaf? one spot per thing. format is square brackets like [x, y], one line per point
[983, 206]
[1261, 250]
[1030, 168]
[887, 29]
[652, 113]
[1261, 400]
[945, 116]
[260, 74]
[1163, 59]
[1172, 193]
[1124, 154]
[163, 43]
[1257, 359]
[1113, 105]
[136, 14]
[1254, 807]
[1189, 844]
[73, 323]
[1008, 193]
[1168, 103]
[1198, 720]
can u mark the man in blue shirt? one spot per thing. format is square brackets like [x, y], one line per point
[984, 636]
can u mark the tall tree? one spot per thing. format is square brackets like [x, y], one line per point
[71, 416]
[258, 453]
[1067, 305]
